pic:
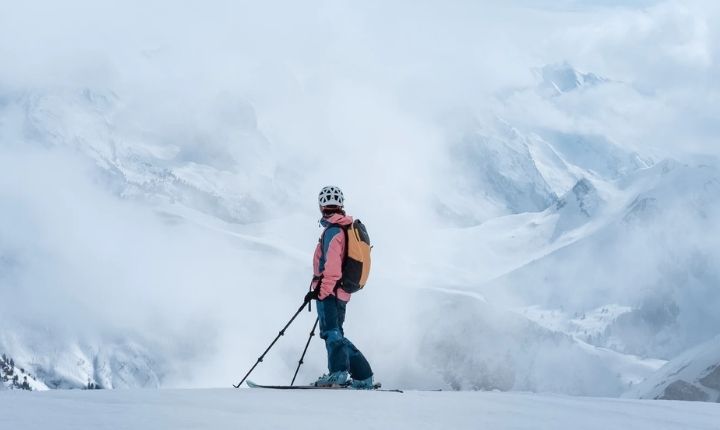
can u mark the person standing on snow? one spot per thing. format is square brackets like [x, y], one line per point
[344, 359]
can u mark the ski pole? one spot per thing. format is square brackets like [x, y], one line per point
[282, 333]
[312, 333]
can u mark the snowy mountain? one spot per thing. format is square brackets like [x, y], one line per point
[693, 375]
[157, 220]
[498, 169]
[535, 205]
[596, 155]
[494, 174]
[15, 377]
[662, 287]
[60, 362]
[560, 78]
[197, 167]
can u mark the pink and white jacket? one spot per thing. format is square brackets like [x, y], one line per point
[328, 258]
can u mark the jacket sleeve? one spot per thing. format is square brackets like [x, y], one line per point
[332, 273]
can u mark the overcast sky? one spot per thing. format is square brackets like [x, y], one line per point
[448, 53]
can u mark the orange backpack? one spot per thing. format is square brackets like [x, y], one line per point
[356, 259]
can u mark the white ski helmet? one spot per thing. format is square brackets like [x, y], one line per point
[331, 196]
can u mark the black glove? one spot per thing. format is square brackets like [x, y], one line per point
[312, 295]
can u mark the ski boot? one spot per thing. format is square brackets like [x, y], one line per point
[363, 384]
[334, 379]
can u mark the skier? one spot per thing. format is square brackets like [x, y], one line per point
[344, 359]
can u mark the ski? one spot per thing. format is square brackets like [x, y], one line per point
[377, 387]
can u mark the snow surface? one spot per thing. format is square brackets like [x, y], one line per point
[267, 409]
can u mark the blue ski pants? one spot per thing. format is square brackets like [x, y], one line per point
[342, 354]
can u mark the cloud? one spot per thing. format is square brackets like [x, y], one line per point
[277, 99]
[667, 51]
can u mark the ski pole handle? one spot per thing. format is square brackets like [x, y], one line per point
[311, 288]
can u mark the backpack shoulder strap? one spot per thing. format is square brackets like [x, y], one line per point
[344, 229]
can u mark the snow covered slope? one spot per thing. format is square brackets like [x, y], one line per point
[14, 376]
[474, 345]
[199, 165]
[493, 173]
[693, 375]
[68, 363]
[267, 409]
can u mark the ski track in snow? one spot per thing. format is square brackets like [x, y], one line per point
[272, 409]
